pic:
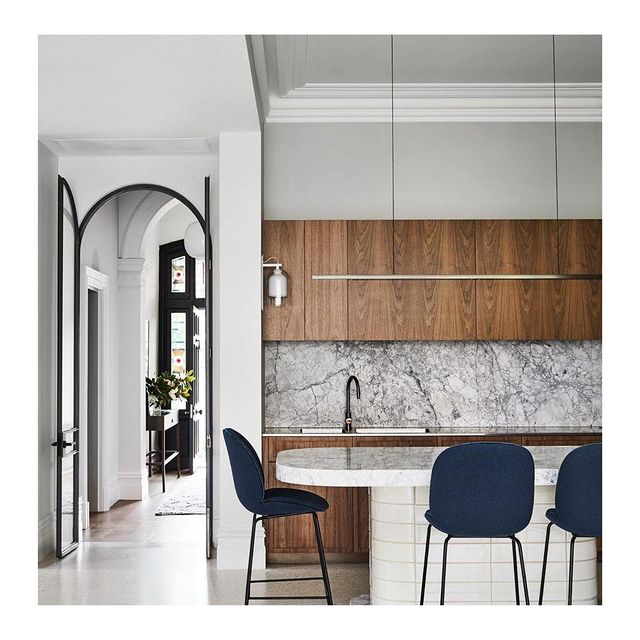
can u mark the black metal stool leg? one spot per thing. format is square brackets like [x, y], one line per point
[444, 568]
[424, 567]
[571, 553]
[515, 570]
[524, 573]
[247, 591]
[323, 560]
[544, 562]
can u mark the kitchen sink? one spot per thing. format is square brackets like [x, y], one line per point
[392, 431]
[365, 430]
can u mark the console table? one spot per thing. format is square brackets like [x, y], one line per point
[161, 423]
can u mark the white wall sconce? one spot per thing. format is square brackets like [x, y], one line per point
[277, 286]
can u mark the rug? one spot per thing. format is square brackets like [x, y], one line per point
[187, 499]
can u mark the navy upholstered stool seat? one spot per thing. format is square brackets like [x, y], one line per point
[481, 490]
[248, 479]
[578, 507]
[290, 502]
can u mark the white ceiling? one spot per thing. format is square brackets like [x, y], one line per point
[343, 78]
[143, 94]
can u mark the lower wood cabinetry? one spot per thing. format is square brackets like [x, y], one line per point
[345, 525]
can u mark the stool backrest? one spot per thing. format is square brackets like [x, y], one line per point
[482, 489]
[248, 477]
[579, 491]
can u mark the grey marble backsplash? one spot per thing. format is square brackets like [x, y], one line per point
[435, 384]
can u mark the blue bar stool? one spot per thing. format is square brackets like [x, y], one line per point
[481, 490]
[578, 507]
[248, 479]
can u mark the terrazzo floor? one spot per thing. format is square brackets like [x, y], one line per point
[130, 556]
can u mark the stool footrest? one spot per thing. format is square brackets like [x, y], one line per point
[286, 579]
[287, 598]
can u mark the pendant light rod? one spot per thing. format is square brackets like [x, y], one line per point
[393, 164]
[555, 144]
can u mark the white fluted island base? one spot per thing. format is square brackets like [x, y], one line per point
[478, 571]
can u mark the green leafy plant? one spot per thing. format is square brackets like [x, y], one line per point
[168, 386]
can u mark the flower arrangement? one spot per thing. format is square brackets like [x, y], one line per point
[167, 386]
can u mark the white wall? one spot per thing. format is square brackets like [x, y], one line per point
[442, 170]
[47, 233]
[100, 252]
[93, 177]
[237, 328]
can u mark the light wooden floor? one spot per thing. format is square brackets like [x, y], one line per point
[135, 520]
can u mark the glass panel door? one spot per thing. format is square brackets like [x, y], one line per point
[67, 446]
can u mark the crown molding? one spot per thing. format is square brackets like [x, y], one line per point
[478, 102]
[291, 62]
[292, 99]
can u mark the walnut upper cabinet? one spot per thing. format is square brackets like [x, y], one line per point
[580, 246]
[325, 252]
[411, 309]
[434, 247]
[436, 309]
[516, 247]
[370, 246]
[284, 239]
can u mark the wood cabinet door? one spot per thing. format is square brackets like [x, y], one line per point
[580, 244]
[516, 247]
[370, 247]
[539, 309]
[434, 247]
[578, 308]
[325, 300]
[516, 310]
[568, 440]
[295, 534]
[412, 310]
[284, 240]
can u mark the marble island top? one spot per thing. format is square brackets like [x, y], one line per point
[333, 430]
[386, 466]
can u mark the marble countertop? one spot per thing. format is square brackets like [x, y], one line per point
[333, 430]
[386, 466]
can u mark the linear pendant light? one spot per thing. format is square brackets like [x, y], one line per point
[496, 276]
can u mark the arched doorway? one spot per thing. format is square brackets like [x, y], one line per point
[71, 233]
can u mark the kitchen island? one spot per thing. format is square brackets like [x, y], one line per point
[478, 571]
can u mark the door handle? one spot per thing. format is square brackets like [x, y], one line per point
[62, 444]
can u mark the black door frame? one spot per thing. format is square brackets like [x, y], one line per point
[169, 303]
[79, 229]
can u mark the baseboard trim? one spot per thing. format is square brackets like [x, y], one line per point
[133, 486]
[113, 491]
[232, 549]
[46, 535]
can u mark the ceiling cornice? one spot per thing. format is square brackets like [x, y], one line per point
[438, 103]
[293, 100]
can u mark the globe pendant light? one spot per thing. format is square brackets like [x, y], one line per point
[194, 240]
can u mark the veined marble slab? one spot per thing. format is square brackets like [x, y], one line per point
[435, 384]
[387, 466]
